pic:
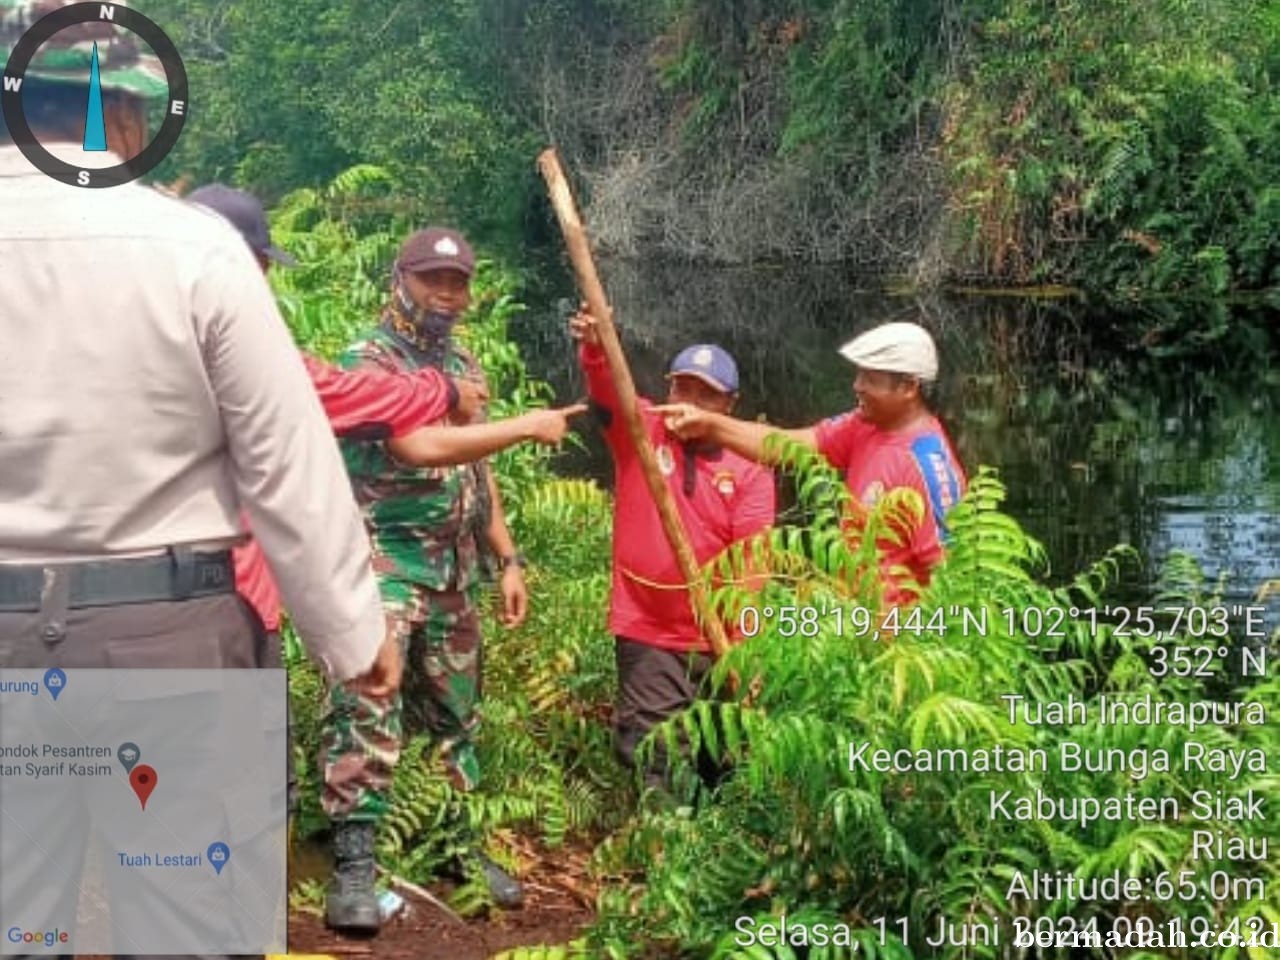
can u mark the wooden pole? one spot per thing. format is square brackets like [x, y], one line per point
[575, 238]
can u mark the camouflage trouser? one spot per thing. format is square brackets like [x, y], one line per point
[439, 632]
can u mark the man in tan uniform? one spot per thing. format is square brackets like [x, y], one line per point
[147, 404]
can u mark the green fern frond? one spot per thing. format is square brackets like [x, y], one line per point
[1180, 582]
[357, 179]
[472, 898]
[422, 805]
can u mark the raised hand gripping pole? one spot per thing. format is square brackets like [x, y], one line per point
[575, 238]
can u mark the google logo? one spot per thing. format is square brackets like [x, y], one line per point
[46, 937]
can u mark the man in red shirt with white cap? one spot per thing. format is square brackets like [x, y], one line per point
[891, 440]
[722, 499]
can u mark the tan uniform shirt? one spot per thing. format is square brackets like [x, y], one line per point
[149, 387]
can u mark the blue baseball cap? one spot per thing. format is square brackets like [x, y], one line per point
[709, 363]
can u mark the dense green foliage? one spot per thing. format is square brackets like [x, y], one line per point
[293, 94]
[1137, 146]
[1000, 141]
[796, 829]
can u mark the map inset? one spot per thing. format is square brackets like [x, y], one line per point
[143, 812]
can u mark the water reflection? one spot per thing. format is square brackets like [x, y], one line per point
[1106, 429]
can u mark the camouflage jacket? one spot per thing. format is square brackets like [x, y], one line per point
[425, 523]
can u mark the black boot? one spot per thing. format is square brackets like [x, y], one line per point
[503, 888]
[352, 902]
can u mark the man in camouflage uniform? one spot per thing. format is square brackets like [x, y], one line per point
[425, 526]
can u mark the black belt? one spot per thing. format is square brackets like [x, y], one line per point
[179, 574]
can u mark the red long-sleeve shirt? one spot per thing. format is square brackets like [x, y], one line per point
[377, 405]
[721, 497]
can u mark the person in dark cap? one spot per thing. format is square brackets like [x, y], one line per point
[244, 212]
[405, 409]
[723, 499]
[428, 529]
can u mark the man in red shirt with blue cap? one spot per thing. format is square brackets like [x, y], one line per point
[722, 499]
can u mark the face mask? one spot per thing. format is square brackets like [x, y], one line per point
[434, 325]
[430, 324]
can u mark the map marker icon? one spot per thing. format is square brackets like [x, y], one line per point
[143, 781]
[128, 754]
[219, 853]
[54, 681]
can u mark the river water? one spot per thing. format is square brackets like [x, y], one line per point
[1105, 428]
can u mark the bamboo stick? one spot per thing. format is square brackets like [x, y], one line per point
[575, 237]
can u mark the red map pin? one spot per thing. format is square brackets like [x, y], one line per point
[143, 780]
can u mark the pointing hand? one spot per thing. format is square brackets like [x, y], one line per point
[685, 420]
[551, 426]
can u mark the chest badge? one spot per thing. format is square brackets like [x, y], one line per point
[725, 482]
[666, 462]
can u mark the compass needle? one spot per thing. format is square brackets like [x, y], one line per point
[95, 125]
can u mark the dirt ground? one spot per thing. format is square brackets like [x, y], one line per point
[557, 908]
[558, 905]
[427, 934]
[424, 933]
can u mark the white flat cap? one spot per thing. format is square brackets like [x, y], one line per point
[897, 347]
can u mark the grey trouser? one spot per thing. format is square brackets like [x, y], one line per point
[654, 684]
[211, 632]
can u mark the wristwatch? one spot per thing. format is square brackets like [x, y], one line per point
[515, 560]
